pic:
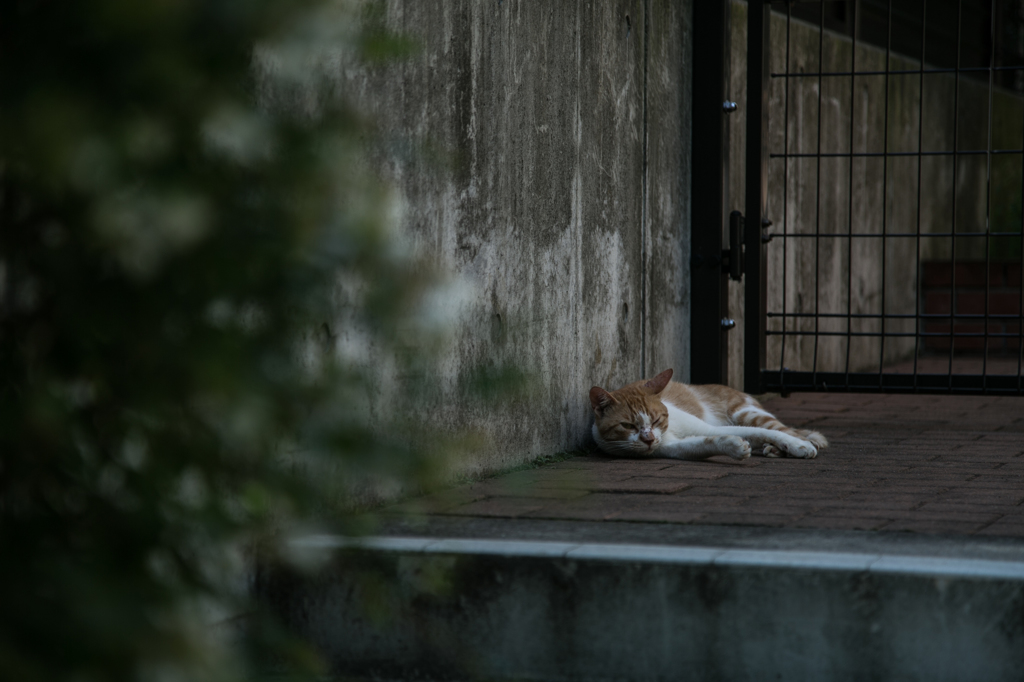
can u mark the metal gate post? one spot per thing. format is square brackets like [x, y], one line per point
[757, 223]
[708, 284]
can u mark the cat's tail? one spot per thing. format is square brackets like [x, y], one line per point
[752, 414]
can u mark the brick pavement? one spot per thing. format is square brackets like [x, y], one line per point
[946, 465]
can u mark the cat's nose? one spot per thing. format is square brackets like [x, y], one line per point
[647, 437]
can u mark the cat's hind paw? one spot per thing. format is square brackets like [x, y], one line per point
[770, 450]
[816, 439]
[734, 446]
[800, 449]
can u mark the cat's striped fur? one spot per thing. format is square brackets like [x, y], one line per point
[663, 418]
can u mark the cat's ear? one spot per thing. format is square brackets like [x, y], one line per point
[658, 383]
[600, 398]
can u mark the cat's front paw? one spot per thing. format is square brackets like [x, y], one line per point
[734, 446]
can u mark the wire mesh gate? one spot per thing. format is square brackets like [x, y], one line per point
[888, 138]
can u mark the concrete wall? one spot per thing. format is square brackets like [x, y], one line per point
[542, 153]
[792, 262]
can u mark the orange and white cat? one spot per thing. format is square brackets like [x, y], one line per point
[663, 418]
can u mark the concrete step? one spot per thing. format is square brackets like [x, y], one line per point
[746, 606]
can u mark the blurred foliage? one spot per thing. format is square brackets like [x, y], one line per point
[208, 328]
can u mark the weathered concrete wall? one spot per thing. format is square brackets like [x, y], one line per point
[550, 171]
[792, 262]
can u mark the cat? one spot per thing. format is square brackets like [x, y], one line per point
[663, 418]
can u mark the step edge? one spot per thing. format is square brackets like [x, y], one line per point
[933, 567]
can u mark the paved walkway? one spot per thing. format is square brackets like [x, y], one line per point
[942, 465]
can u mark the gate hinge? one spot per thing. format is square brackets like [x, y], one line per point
[732, 258]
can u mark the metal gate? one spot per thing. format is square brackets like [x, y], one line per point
[885, 172]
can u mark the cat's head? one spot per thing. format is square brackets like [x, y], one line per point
[632, 420]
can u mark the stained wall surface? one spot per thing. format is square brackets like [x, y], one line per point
[541, 151]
